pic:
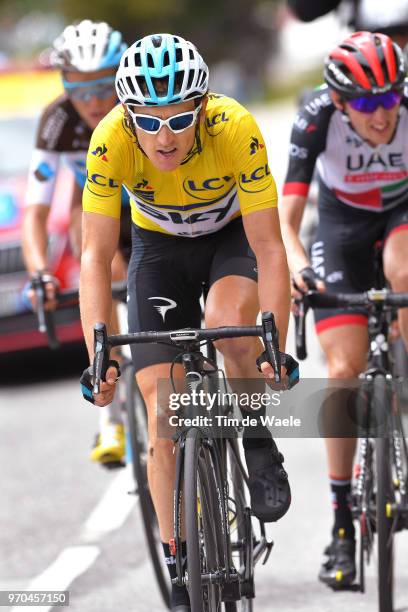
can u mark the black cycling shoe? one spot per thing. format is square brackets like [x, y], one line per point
[339, 570]
[268, 483]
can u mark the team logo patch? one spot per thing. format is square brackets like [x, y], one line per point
[255, 145]
[44, 172]
[100, 152]
[101, 180]
[249, 181]
[215, 124]
[143, 189]
[206, 190]
[163, 305]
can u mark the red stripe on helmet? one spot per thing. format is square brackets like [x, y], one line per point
[366, 45]
[352, 64]
[389, 55]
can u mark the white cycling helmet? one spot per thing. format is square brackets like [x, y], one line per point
[88, 46]
[161, 69]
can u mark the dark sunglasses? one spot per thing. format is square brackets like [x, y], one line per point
[369, 104]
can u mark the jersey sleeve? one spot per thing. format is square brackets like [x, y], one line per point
[42, 175]
[104, 173]
[255, 184]
[307, 141]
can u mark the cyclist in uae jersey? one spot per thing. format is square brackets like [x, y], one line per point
[354, 131]
[203, 210]
[87, 54]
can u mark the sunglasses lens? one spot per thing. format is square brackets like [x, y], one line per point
[102, 92]
[369, 104]
[181, 122]
[148, 124]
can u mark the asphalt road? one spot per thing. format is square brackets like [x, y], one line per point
[66, 523]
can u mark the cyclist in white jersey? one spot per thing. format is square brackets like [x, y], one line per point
[87, 54]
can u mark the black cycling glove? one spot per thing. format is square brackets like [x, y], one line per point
[86, 380]
[291, 365]
[309, 276]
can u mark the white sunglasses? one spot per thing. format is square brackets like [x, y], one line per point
[176, 123]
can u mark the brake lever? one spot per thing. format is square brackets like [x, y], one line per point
[101, 356]
[270, 336]
[39, 296]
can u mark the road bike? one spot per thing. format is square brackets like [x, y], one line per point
[224, 540]
[380, 483]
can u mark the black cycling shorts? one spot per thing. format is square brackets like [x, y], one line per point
[125, 235]
[343, 254]
[165, 279]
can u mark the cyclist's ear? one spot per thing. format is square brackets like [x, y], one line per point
[204, 101]
[337, 100]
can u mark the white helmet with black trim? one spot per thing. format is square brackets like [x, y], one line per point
[161, 69]
[87, 47]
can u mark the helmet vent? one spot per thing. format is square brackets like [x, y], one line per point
[179, 55]
[166, 59]
[190, 79]
[157, 41]
[150, 61]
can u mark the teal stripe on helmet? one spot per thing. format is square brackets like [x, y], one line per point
[114, 52]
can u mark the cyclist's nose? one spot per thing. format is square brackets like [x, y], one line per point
[165, 136]
[380, 114]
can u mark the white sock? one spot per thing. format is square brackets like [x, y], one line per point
[112, 413]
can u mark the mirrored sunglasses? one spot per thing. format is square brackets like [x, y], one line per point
[84, 90]
[369, 104]
[152, 125]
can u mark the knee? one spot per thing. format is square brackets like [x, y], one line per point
[398, 278]
[341, 368]
[235, 315]
[237, 349]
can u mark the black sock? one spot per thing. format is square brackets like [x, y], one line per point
[179, 595]
[257, 436]
[341, 500]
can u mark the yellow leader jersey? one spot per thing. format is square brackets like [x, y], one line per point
[227, 177]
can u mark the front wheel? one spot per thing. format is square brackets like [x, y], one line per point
[385, 498]
[204, 533]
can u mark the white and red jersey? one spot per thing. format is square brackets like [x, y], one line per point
[354, 172]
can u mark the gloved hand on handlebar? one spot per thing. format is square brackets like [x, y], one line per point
[50, 285]
[107, 386]
[290, 370]
[303, 281]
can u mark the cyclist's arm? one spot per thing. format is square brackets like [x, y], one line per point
[291, 213]
[100, 232]
[264, 236]
[35, 238]
[40, 189]
[100, 240]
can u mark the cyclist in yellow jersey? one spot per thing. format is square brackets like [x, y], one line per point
[204, 209]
